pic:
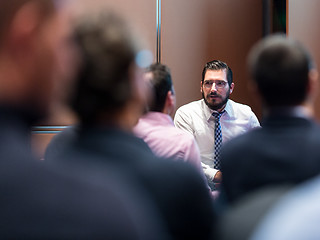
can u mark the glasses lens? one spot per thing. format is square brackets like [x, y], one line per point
[218, 84]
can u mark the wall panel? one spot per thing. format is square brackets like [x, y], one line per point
[194, 32]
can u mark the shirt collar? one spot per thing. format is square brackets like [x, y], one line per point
[208, 112]
[158, 117]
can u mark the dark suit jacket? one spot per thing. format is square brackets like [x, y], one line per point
[37, 203]
[285, 150]
[176, 188]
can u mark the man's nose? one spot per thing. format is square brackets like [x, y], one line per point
[213, 87]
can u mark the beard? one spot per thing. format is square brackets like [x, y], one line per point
[214, 104]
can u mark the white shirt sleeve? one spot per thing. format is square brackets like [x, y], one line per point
[254, 122]
[183, 121]
[209, 172]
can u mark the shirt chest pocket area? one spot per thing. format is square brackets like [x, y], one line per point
[204, 134]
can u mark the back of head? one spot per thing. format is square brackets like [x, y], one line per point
[217, 65]
[108, 53]
[161, 84]
[280, 68]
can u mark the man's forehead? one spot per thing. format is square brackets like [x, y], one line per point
[220, 74]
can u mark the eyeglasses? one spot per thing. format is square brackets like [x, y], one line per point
[218, 83]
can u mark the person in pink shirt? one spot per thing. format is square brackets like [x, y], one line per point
[156, 126]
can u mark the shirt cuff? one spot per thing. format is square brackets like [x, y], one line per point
[208, 171]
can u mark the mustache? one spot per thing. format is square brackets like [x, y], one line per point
[214, 94]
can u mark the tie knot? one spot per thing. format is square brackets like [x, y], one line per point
[217, 115]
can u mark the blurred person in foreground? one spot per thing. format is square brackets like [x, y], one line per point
[37, 203]
[108, 98]
[287, 149]
[261, 167]
[295, 216]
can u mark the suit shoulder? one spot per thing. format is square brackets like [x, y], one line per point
[60, 142]
[243, 141]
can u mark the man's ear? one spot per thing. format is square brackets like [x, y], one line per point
[231, 87]
[201, 84]
[170, 99]
[170, 103]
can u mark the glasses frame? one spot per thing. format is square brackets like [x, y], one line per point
[219, 84]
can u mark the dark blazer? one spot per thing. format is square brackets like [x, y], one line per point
[176, 188]
[285, 150]
[38, 203]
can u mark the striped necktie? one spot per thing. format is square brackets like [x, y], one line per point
[217, 139]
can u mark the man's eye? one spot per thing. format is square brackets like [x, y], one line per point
[221, 84]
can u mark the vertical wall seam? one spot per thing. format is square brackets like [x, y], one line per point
[287, 17]
[158, 15]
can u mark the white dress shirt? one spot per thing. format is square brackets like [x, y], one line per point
[196, 118]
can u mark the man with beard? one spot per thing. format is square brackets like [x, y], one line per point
[215, 119]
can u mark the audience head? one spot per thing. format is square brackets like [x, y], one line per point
[159, 77]
[109, 83]
[33, 36]
[216, 84]
[282, 71]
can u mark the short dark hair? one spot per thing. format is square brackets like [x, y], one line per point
[161, 84]
[218, 65]
[280, 67]
[108, 52]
